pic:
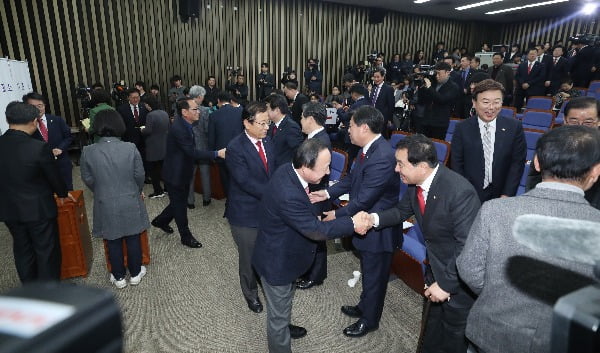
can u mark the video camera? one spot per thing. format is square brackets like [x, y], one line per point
[233, 71]
[425, 71]
[119, 92]
[82, 93]
[587, 38]
[373, 56]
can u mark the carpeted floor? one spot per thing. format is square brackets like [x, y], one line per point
[190, 300]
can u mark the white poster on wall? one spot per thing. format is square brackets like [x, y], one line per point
[15, 82]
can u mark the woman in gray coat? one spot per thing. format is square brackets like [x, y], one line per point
[155, 131]
[113, 170]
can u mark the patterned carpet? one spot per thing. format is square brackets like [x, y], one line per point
[190, 300]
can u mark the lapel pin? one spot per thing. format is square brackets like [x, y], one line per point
[434, 197]
[503, 129]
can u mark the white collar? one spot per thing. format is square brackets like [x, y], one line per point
[302, 181]
[426, 185]
[482, 123]
[312, 134]
[279, 122]
[368, 145]
[252, 139]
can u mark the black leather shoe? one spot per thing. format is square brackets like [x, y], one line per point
[352, 311]
[358, 329]
[191, 206]
[205, 203]
[191, 242]
[255, 305]
[297, 331]
[306, 284]
[165, 228]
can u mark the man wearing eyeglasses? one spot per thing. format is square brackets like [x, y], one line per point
[579, 111]
[177, 170]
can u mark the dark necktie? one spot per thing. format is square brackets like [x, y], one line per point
[421, 200]
[43, 129]
[529, 68]
[261, 153]
[136, 114]
[273, 130]
[362, 157]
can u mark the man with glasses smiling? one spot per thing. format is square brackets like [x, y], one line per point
[579, 111]
[251, 162]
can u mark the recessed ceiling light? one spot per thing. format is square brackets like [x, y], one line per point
[460, 8]
[525, 6]
[420, 1]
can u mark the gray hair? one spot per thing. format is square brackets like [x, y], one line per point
[196, 91]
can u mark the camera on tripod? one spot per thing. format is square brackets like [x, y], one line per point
[587, 38]
[371, 58]
[425, 71]
[119, 92]
[233, 71]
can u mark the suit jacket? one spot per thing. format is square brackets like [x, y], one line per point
[156, 130]
[287, 227]
[59, 136]
[324, 205]
[547, 61]
[119, 209]
[249, 180]
[181, 154]
[385, 102]
[509, 57]
[508, 163]
[223, 125]
[132, 131]
[535, 78]
[517, 286]
[592, 195]
[286, 140]
[266, 87]
[439, 104]
[373, 186]
[450, 209]
[28, 180]
[297, 107]
[557, 73]
[344, 117]
[505, 76]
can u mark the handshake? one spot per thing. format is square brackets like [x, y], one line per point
[363, 222]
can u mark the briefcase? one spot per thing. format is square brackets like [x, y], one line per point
[145, 251]
[74, 235]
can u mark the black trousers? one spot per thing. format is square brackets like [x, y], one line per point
[224, 175]
[176, 209]
[375, 267]
[445, 329]
[318, 270]
[134, 256]
[154, 172]
[36, 249]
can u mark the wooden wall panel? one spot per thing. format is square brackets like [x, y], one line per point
[68, 42]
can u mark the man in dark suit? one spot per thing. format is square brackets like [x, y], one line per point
[287, 229]
[514, 52]
[559, 70]
[461, 109]
[504, 75]
[359, 95]
[444, 204]
[373, 187]
[297, 99]
[265, 82]
[250, 160]
[284, 132]
[28, 181]
[56, 133]
[313, 121]
[134, 116]
[487, 149]
[223, 125]
[382, 96]
[581, 64]
[177, 170]
[439, 102]
[530, 78]
[544, 58]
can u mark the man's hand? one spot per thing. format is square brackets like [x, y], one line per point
[547, 83]
[143, 196]
[427, 82]
[61, 200]
[436, 294]
[317, 196]
[56, 152]
[329, 216]
[525, 85]
[221, 153]
[362, 222]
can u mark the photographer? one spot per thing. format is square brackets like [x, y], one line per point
[239, 89]
[289, 75]
[438, 98]
[394, 69]
[313, 78]
[566, 92]
[175, 92]
[265, 81]
[212, 91]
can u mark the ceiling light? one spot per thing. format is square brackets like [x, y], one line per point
[476, 4]
[525, 6]
[420, 1]
[589, 8]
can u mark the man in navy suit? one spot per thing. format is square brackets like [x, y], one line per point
[373, 187]
[134, 116]
[297, 100]
[250, 162]
[287, 229]
[487, 149]
[223, 125]
[559, 70]
[177, 170]
[464, 76]
[445, 206]
[382, 96]
[313, 121]
[359, 95]
[530, 78]
[56, 133]
[284, 131]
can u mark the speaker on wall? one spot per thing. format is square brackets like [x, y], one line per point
[376, 15]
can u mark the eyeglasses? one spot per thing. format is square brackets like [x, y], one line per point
[263, 124]
[587, 122]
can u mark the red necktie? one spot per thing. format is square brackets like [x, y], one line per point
[362, 157]
[274, 130]
[420, 199]
[136, 114]
[529, 68]
[43, 129]
[261, 153]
